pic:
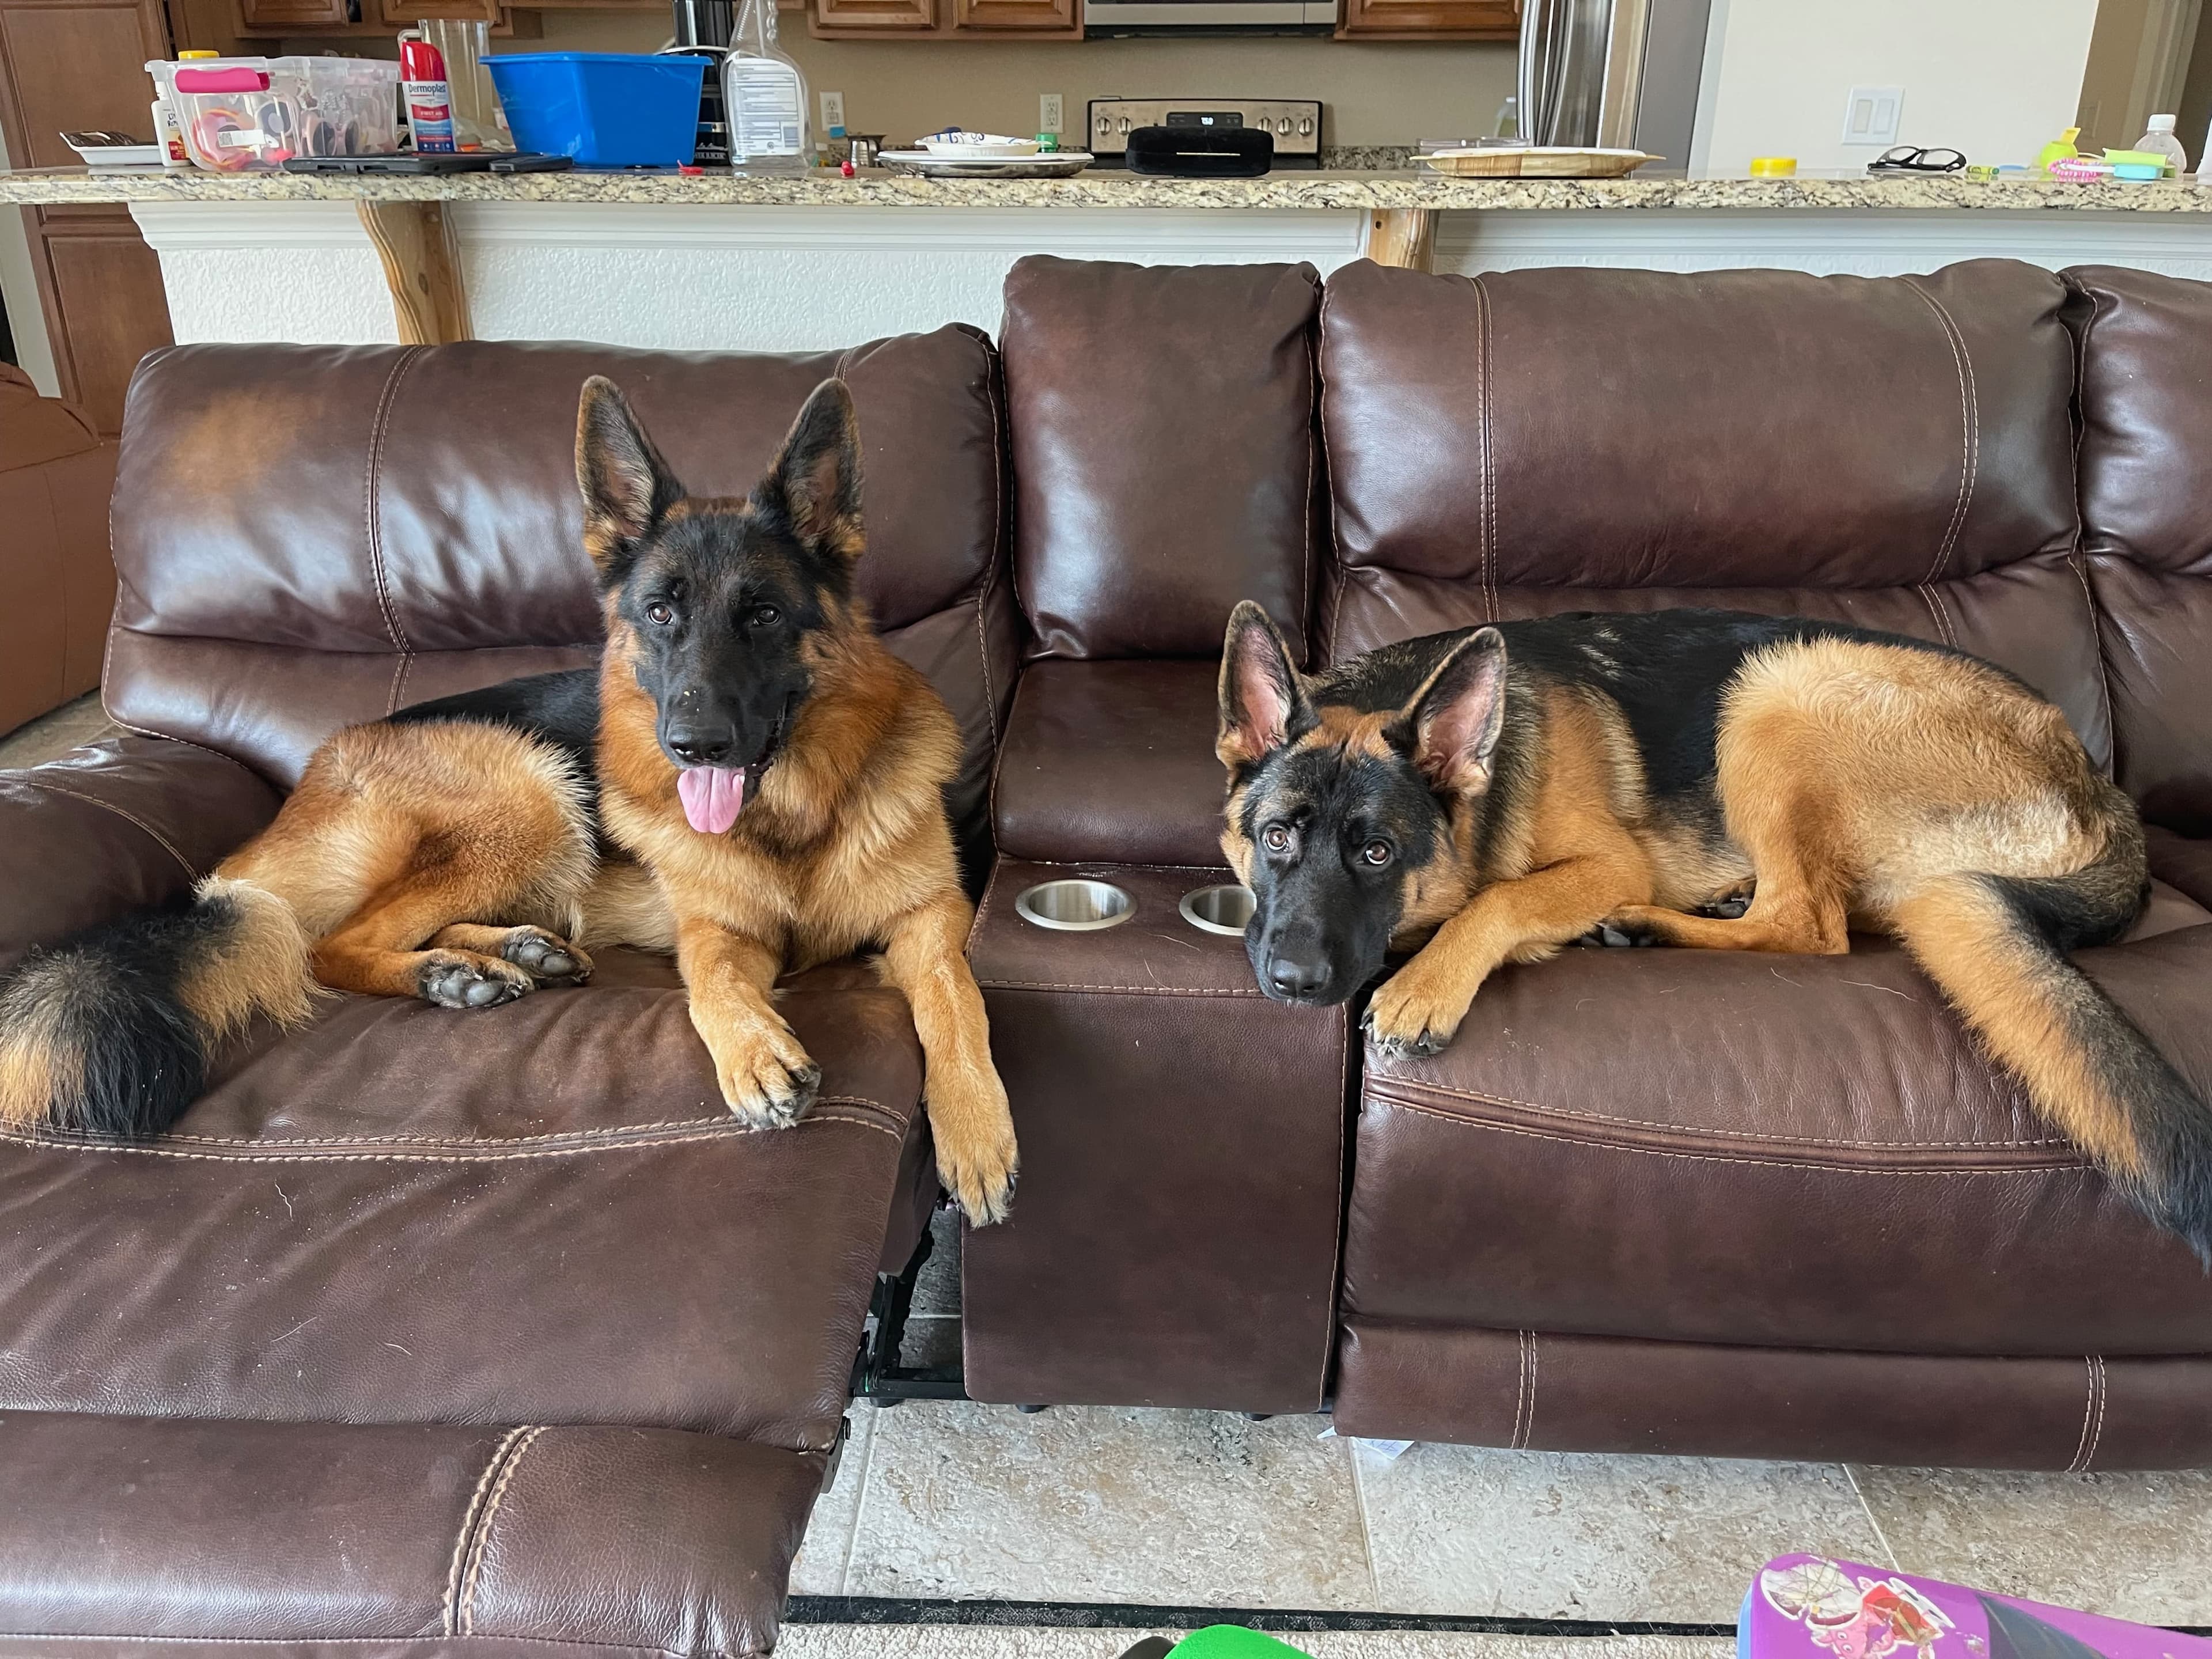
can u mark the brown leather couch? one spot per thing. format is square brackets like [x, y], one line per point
[432, 1333]
[57, 585]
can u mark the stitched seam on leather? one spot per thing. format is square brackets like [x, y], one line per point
[398, 678]
[997, 763]
[373, 520]
[1001, 542]
[1488, 526]
[733, 1130]
[1970, 444]
[483, 1542]
[1328, 458]
[520, 1140]
[1943, 607]
[1119, 990]
[2097, 1434]
[1306, 508]
[2080, 562]
[1694, 1129]
[189, 743]
[1940, 613]
[1714, 1158]
[1329, 1326]
[990, 886]
[1529, 1429]
[2088, 1410]
[1519, 1389]
[31, 777]
[468, 1528]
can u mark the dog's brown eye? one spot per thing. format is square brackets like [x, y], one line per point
[661, 615]
[1376, 852]
[1275, 838]
[766, 615]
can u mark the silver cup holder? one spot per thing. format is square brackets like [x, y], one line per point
[1076, 906]
[1218, 910]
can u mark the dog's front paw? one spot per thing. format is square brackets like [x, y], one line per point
[546, 957]
[1412, 1018]
[766, 1075]
[462, 979]
[977, 1156]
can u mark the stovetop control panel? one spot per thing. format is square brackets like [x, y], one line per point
[1294, 124]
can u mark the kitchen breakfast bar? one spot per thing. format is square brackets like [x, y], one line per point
[810, 259]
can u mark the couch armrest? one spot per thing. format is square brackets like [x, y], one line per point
[115, 826]
[1111, 762]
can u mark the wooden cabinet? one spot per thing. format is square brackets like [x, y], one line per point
[399, 13]
[276, 16]
[946, 20]
[1026, 16]
[1429, 19]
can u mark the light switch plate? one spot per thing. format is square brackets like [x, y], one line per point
[1873, 114]
[833, 114]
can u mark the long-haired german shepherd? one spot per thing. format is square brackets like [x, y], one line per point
[748, 779]
[1492, 794]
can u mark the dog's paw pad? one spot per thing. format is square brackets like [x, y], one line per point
[470, 982]
[546, 956]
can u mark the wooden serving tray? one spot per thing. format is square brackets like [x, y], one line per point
[1536, 162]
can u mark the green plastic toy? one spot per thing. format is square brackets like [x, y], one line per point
[1217, 1642]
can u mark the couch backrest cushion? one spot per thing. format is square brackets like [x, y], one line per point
[1894, 452]
[1165, 462]
[312, 536]
[2146, 468]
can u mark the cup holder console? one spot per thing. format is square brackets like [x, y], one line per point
[1076, 906]
[1218, 910]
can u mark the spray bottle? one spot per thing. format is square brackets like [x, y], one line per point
[429, 97]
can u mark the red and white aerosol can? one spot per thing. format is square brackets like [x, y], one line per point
[428, 95]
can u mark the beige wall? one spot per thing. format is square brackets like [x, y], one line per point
[1376, 94]
[1996, 81]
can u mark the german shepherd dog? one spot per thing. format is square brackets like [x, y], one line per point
[1492, 794]
[748, 779]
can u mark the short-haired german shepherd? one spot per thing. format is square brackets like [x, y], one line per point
[748, 779]
[1491, 795]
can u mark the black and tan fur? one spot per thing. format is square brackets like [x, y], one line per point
[1490, 795]
[470, 850]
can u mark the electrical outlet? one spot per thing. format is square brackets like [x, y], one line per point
[1872, 115]
[1050, 112]
[833, 114]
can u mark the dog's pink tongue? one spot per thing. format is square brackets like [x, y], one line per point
[712, 796]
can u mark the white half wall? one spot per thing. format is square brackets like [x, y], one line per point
[1997, 81]
[796, 279]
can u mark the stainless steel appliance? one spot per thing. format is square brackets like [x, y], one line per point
[704, 29]
[1294, 124]
[1621, 74]
[1132, 17]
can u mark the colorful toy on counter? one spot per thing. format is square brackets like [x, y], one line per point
[2060, 148]
[1216, 1642]
[1808, 1607]
[1773, 166]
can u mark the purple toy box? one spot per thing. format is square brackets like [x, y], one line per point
[1807, 1607]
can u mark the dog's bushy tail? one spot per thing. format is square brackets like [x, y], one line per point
[1997, 945]
[109, 1033]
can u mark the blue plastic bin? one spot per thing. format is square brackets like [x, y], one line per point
[608, 109]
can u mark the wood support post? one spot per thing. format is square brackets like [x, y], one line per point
[1403, 236]
[423, 269]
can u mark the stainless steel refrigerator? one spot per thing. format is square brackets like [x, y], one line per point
[1620, 74]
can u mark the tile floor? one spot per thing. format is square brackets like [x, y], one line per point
[1192, 1509]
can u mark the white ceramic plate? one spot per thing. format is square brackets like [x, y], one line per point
[1045, 164]
[120, 155]
[979, 147]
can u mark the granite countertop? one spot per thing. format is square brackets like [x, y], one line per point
[1112, 188]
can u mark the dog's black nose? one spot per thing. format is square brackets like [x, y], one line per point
[1293, 978]
[701, 746]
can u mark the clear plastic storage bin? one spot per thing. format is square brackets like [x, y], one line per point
[254, 114]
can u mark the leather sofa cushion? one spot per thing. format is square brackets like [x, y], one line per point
[436, 1540]
[1111, 762]
[1532, 1388]
[310, 536]
[1161, 420]
[34, 430]
[536, 1213]
[2146, 472]
[2184, 863]
[1789, 1151]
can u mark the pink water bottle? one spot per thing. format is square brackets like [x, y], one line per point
[429, 97]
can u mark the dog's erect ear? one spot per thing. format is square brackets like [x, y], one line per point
[815, 485]
[627, 487]
[1263, 702]
[1450, 725]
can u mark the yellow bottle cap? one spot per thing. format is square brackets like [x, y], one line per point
[1773, 166]
[182, 55]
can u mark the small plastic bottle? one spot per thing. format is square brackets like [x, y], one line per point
[765, 96]
[2160, 141]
